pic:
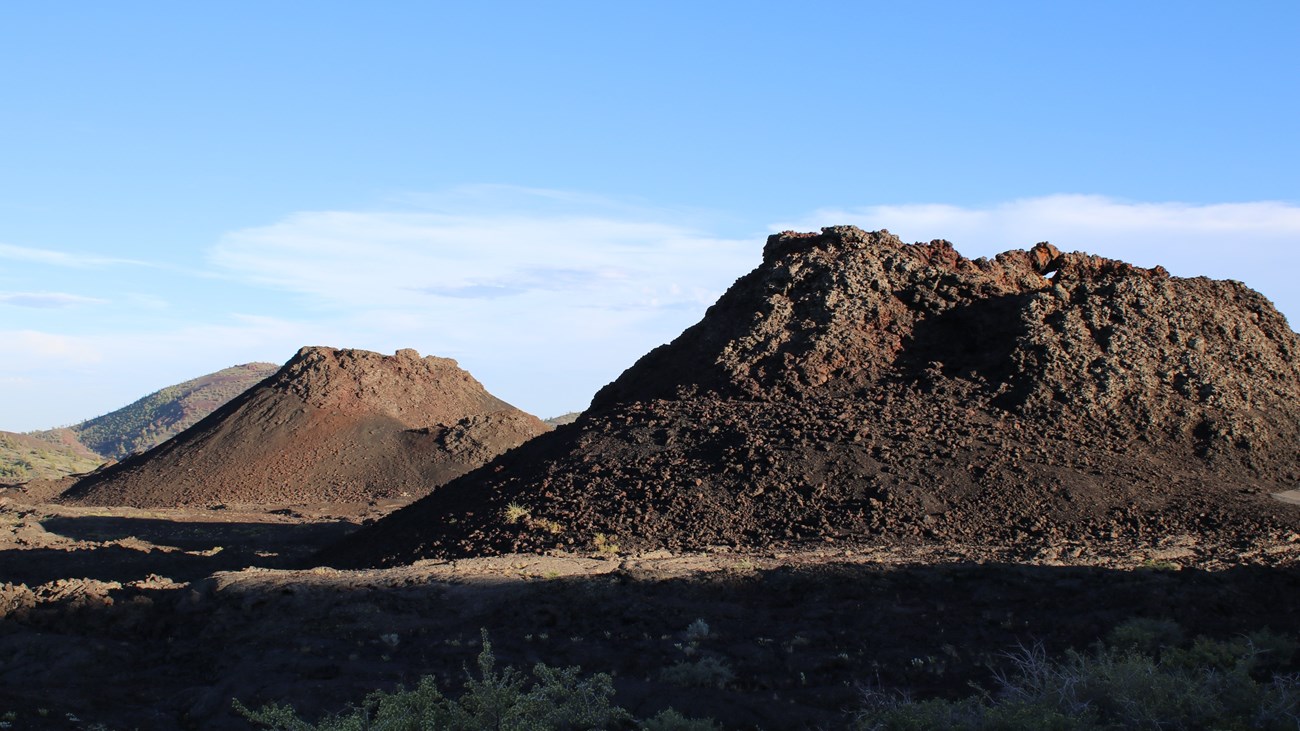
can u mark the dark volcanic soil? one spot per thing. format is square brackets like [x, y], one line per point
[330, 426]
[860, 390]
[109, 616]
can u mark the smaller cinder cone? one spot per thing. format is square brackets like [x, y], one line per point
[330, 426]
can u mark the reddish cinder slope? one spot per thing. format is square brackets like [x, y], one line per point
[857, 389]
[330, 426]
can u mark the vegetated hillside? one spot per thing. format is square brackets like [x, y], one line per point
[24, 457]
[331, 426]
[857, 389]
[165, 413]
[563, 419]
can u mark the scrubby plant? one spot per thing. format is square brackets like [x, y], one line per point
[550, 526]
[605, 545]
[516, 513]
[697, 631]
[551, 699]
[671, 720]
[1138, 680]
[706, 672]
[1149, 636]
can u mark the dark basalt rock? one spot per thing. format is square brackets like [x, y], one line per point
[858, 389]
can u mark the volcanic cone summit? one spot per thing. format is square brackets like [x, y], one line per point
[856, 388]
[329, 426]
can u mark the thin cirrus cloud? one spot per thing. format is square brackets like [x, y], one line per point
[1256, 242]
[48, 300]
[33, 349]
[402, 258]
[544, 297]
[52, 257]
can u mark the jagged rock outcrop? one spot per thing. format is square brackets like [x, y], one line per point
[329, 426]
[856, 388]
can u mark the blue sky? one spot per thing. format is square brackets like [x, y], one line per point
[545, 191]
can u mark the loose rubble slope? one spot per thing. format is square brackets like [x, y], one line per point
[330, 426]
[856, 388]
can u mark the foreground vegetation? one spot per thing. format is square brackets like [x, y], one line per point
[508, 700]
[1144, 676]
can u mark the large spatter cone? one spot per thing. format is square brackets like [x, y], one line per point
[331, 426]
[856, 388]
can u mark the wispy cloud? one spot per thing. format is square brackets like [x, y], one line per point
[1257, 243]
[527, 288]
[47, 300]
[407, 258]
[31, 350]
[530, 244]
[52, 257]
[146, 301]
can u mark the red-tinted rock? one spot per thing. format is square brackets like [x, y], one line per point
[330, 426]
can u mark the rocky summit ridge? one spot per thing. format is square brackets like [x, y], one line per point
[854, 388]
[1043, 334]
[330, 426]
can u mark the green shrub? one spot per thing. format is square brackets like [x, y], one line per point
[516, 513]
[506, 700]
[698, 631]
[706, 672]
[671, 720]
[903, 714]
[1138, 681]
[1148, 636]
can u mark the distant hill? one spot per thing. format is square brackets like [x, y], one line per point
[163, 414]
[563, 419]
[25, 457]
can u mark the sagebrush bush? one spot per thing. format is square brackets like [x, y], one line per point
[706, 672]
[558, 699]
[1139, 680]
[1144, 676]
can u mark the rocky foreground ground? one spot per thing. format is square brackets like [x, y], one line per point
[157, 619]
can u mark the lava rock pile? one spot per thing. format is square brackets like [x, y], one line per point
[854, 388]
